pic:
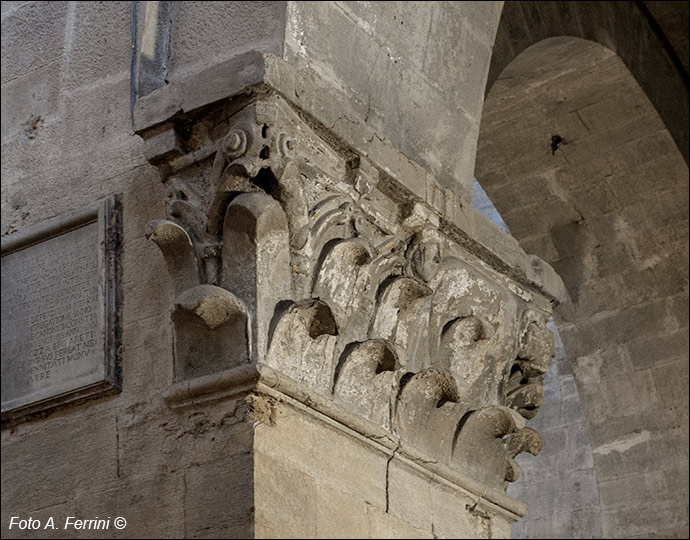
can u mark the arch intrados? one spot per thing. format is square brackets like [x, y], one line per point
[608, 210]
[626, 28]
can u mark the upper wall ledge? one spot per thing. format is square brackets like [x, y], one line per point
[331, 113]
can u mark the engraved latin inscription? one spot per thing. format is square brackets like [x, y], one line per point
[52, 316]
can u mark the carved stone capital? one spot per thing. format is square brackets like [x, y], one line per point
[291, 253]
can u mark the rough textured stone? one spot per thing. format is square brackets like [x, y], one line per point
[327, 498]
[100, 49]
[205, 33]
[600, 225]
[622, 27]
[386, 101]
[37, 93]
[234, 252]
[219, 498]
[404, 57]
[27, 24]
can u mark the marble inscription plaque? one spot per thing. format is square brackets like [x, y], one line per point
[59, 309]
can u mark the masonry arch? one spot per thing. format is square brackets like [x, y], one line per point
[650, 38]
[584, 154]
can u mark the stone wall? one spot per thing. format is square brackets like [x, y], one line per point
[343, 485]
[608, 207]
[559, 487]
[404, 131]
[417, 55]
[170, 462]
[67, 141]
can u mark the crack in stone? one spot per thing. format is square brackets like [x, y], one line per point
[388, 466]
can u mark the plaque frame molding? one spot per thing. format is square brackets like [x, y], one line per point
[107, 212]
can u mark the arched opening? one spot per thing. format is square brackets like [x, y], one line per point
[586, 175]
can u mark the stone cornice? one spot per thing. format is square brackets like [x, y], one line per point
[244, 380]
[278, 386]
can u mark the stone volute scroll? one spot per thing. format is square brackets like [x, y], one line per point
[294, 260]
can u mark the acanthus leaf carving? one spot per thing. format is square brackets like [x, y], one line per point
[178, 252]
[366, 379]
[387, 317]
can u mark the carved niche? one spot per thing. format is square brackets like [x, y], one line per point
[289, 252]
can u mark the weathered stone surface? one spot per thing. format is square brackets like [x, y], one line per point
[155, 507]
[223, 486]
[204, 33]
[394, 321]
[389, 496]
[19, 28]
[87, 438]
[61, 311]
[37, 91]
[101, 49]
[375, 142]
[593, 208]
[349, 309]
[625, 29]
[404, 71]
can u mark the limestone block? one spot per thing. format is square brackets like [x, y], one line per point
[147, 343]
[386, 525]
[339, 515]
[153, 507]
[205, 33]
[409, 496]
[296, 516]
[29, 101]
[397, 80]
[87, 437]
[29, 24]
[193, 436]
[58, 512]
[219, 497]
[101, 110]
[325, 453]
[102, 48]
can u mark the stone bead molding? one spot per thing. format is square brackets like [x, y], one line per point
[288, 251]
